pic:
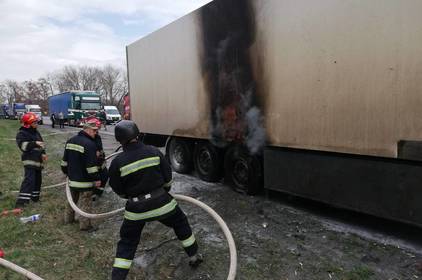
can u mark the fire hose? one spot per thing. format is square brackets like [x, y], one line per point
[209, 210]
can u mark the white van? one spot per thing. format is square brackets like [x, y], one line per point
[112, 114]
[36, 109]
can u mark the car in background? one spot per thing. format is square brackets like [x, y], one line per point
[112, 114]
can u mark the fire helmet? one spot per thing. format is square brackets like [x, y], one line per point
[92, 123]
[126, 131]
[28, 119]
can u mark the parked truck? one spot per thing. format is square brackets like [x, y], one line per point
[36, 109]
[319, 99]
[75, 106]
[15, 111]
[4, 108]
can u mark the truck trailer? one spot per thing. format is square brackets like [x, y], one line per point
[319, 99]
[75, 106]
[15, 111]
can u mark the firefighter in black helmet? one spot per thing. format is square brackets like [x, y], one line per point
[142, 175]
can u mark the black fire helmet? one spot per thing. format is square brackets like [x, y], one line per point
[125, 131]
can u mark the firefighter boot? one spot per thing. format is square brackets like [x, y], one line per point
[119, 274]
[195, 260]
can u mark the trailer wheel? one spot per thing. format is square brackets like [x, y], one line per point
[180, 155]
[243, 171]
[208, 162]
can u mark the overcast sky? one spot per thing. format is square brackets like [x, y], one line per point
[40, 36]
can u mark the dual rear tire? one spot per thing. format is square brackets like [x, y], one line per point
[242, 171]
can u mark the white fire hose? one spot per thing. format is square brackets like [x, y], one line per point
[19, 270]
[209, 210]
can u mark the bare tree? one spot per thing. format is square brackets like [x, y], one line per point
[15, 92]
[68, 79]
[45, 90]
[90, 78]
[78, 78]
[123, 89]
[110, 83]
[32, 92]
[3, 93]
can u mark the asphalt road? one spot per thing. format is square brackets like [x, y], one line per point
[277, 236]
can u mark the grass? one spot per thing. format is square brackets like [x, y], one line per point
[47, 248]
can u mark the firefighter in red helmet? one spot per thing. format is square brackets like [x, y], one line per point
[31, 144]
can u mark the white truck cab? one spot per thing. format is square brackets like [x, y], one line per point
[112, 114]
[36, 109]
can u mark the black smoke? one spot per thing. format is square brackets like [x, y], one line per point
[228, 30]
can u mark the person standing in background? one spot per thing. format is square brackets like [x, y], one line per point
[53, 119]
[31, 144]
[61, 120]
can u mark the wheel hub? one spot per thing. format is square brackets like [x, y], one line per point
[241, 172]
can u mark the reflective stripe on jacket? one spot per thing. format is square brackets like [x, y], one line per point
[141, 170]
[80, 162]
[26, 139]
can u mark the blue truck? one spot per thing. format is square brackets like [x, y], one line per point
[14, 111]
[75, 106]
[4, 114]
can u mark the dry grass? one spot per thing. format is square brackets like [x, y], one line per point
[48, 248]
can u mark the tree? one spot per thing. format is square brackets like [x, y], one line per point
[14, 92]
[3, 93]
[90, 78]
[110, 80]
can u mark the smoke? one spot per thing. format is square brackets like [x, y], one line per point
[228, 33]
[256, 136]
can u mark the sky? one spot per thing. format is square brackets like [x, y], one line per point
[41, 36]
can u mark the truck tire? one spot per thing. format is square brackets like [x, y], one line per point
[243, 172]
[207, 161]
[180, 155]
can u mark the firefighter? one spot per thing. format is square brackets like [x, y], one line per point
[80, 165]
[142, 175]
[31, 144]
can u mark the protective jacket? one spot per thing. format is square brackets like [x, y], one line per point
[80, 162]
[142, 171]
[143, 176]
[31, 152]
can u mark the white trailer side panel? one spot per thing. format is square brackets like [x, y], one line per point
[166, 89]
[333, 75]
[342, 76]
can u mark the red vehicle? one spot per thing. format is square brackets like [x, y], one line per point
[126, 107]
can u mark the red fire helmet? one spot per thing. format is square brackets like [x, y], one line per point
[93, 121]
[28, 119]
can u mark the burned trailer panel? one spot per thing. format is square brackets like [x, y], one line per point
[228, 34]
[327, 92]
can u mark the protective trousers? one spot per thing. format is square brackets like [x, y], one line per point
[30, 188]
[84, 201]
[130, 234]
